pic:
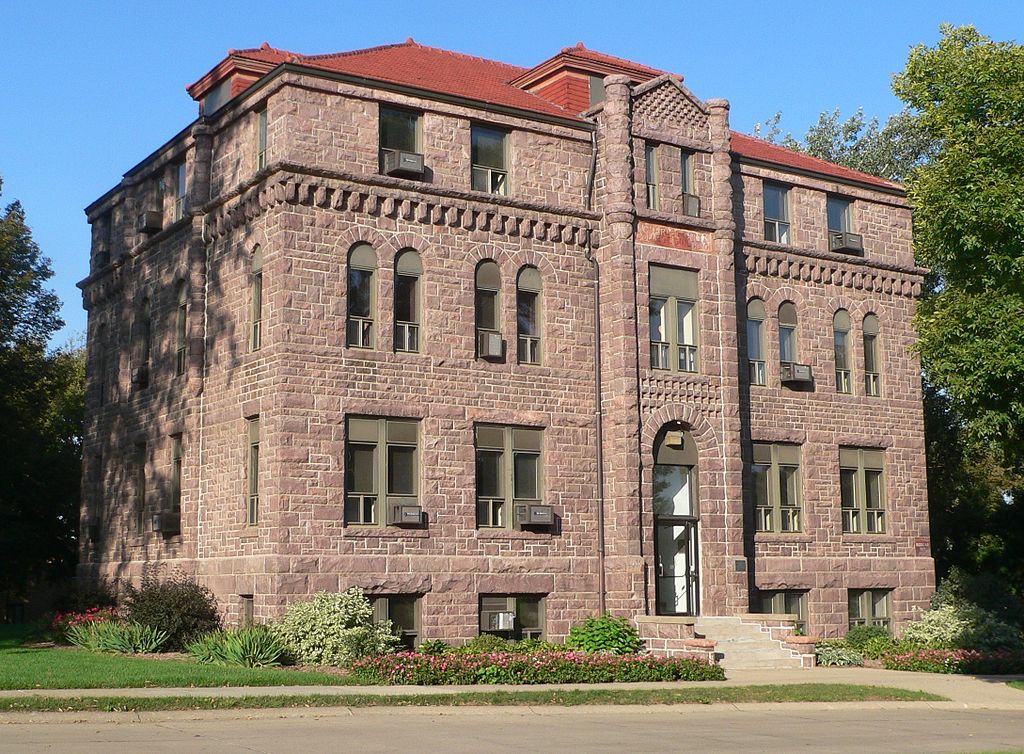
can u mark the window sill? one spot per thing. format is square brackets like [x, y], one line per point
[646, 213]
[512, 534]
[383, 532]
[788, 537]
[887, 539]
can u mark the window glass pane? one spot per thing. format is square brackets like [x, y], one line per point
[789, 492]
[870, 353]
[754, 341]
[842, 350]
[528, 612]
[787, 343]
[848, 487]
[254, 468]
[405, 299]
[526, 312]
[879, 606]
[402, 612]
[838, 214]
[401, 470]
[488, 473]
[775, 203]
[673, 491]
[359, 286]
[793, 603]
[659, 331]
[760, 473]
[398, 130]
[527, 466]
[873, 488]
[361, 468]
[687, 169]
[853, 604]
[651, 160]
[488, 148]
[686, 323]
[596, 90]
[486, 310]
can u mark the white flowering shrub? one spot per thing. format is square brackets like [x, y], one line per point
[962, 626]
[334, 629]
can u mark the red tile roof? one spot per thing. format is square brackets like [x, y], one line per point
[412, 64]
[758, 149]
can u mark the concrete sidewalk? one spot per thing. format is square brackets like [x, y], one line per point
[976, 692]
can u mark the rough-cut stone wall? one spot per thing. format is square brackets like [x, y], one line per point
[321, 193]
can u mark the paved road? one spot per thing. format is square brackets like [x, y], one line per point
[720, 728]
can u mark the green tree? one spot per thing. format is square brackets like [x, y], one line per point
[41, 406]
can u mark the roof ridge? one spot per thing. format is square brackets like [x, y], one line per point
[579, 46]
[806, 156]
[410, 42]
[346, 53]
[265, 47]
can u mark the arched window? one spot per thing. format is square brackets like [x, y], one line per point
[756, 315]
[676, 511]
[181, 330]
[408, 269]
[841, 341]
[872, 357]
[528, 289]
[489, 344]
[788, 350]
[362, 264]
[100, 349]
[256, 300]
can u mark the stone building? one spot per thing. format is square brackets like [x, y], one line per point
[505, 348]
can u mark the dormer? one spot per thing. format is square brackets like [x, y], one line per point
[574, 78]
[233, 75]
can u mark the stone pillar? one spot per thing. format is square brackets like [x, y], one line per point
[731, 583]
[624, 565]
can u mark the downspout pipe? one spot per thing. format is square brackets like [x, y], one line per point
[598, 410]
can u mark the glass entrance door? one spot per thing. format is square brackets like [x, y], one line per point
[676, 548]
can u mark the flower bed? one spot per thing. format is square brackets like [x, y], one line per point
[995, 662]
[414, 668]
[64, 621]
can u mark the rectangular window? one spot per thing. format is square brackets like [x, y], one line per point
[252, 516]
[672, 317]
[381, 460]
[872, 369]
[840, 214]
[256, 303]
[508, 471]
[776, 483]
[786, 602]
[176, 467]
[651, 168]
[862, 490]
[178, 211]
[407, 328]
[691, 202]
[399, 132]
[247, 609]
[869, 607]
[512, 616]
[596, 90]
[181, 332]
[488, 155]
[776, 213]
[140, 488]
[403, 610]
[261, 139]
[841, 343]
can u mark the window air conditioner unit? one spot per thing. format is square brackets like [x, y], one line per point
[409, 164]
[92, 528]
[525, 514]
[150, 221]
[140, 376]
[674, 439]
[796, 373]
[167, 522]
[842, 241]
[497, 621]
[691, 205]
[490, 345]
[404, 513]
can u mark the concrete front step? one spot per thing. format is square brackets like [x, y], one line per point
[742, 645]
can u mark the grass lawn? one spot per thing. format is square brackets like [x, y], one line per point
[804, 692]
[67, 668]
[1016, 685]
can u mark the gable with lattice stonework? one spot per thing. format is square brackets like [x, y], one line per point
[668, 108]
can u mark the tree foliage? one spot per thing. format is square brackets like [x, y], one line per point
[41, 408]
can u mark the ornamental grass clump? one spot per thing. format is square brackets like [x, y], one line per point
[414, 668]
[64, 622]
[255, 646]
[334, 629]
[117, 637]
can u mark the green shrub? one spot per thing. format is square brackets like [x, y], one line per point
[605, 633]
[858, 636]
[836, 653]
[485, 643]
[177, 605]
[334, 629]
[251, 647]
[961, 625]
[878, 647]
[112, 636]
[538, 667]
[435, 647]
[999, 662]
[985, 590]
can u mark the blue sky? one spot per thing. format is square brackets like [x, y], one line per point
[89, 89]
